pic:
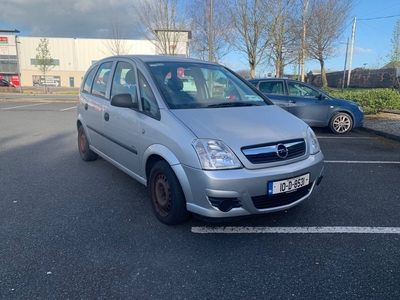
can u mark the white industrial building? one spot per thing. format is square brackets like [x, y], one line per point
[71, 57]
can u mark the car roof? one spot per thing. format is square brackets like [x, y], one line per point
[160, 58]
[273, 79]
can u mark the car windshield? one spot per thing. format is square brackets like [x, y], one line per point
[197, 85]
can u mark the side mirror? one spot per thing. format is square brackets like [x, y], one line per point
[125, 100]
[321, 97]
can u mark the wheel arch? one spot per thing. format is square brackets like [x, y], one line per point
[81, 122]
[78, 124]
[158, 152]
[342, 111]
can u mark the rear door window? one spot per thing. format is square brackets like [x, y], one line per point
[271, 87]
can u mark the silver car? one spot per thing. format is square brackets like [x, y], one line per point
[162, 121]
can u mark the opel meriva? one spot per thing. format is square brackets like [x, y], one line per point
[201, 138]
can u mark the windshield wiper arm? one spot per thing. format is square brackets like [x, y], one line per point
[231, 104]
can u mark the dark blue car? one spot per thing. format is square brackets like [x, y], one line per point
[311, 105]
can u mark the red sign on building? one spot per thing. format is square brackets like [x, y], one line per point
[3, 40]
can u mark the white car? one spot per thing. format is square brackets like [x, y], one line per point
[196, 150]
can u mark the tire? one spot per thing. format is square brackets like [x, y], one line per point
[167, 198]
[341, 123]
[83, 146]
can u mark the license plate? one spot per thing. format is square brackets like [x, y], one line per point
[288, 185]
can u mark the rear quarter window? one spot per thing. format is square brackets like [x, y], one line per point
[88, 81]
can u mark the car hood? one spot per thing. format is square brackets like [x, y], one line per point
[243, 126]
[338, 101]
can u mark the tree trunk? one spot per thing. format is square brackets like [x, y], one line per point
[252, 67]
[44, 75]
[323, 74]
[278, 67]
[252, 71]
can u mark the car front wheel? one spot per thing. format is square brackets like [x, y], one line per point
[168, 200]
[341, 123]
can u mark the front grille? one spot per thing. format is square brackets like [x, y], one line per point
[266, 201]
[267, 153]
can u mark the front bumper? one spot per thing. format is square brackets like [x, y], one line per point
[232, 193]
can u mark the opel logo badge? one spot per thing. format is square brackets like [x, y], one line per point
[282, 151]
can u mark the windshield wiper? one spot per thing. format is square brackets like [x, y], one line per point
[231, 104]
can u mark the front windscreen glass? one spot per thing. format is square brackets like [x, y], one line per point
[193, 85]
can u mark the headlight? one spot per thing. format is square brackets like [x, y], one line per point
[360, 108]
[313, 142]
[215, 155]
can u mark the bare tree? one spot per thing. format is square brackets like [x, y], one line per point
[378, 63]
[117, 36]
[250, 21]
[284, 35]
[161, 23]
[43, 60]
[326, 23]
[394, 55]
[244, 73]
[199, 14]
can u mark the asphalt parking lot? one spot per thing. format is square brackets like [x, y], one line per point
[76, 230]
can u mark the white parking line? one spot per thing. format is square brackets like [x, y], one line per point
[74, 107]
[360, 162]
[23, 106]
[291, 230]
[346, 137]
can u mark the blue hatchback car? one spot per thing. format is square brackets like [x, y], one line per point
[311, 105]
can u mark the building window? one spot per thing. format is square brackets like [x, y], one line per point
[56, 62]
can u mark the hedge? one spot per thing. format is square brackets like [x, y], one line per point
[371, 100]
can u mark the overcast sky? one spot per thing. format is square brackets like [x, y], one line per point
[376, 21]
[61, 18]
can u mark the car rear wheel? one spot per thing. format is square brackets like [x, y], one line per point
[83, 146]
[341, 123]
[168, 200]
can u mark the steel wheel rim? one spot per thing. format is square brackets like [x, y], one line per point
[82, 143]
[341, 124]
[162, 195]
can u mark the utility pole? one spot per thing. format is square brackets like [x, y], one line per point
[345, 64]
[303, 41]
[351, 50]
[210, 35]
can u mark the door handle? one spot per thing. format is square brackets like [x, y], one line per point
[106, 116]
[292, 101]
